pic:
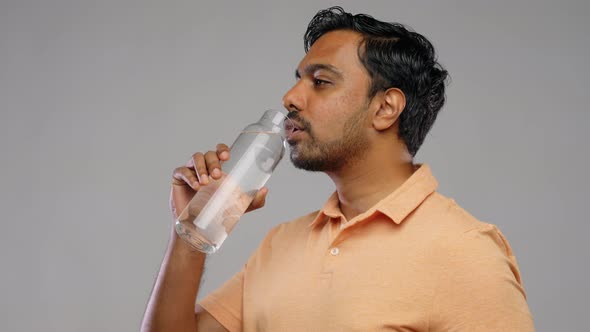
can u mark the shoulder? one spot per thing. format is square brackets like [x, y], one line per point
[283, 237]
[476, 278]
[294, 227]
[449, 227]
[291, 229]
[448, 217]
[458, 235]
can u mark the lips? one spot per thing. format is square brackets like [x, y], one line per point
[292, 126]
[292, 129]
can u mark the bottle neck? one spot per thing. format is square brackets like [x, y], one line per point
[273, 121]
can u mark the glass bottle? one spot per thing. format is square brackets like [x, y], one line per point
[216, 207]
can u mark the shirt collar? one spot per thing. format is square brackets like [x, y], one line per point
[396, 206]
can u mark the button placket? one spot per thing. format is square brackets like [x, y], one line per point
[334, 251]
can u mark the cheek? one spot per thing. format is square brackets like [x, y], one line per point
[329, 117]
[330, 121]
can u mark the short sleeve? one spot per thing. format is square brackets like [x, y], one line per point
[479, 287]
[225, 303]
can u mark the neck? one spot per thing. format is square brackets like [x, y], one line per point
[371, 178]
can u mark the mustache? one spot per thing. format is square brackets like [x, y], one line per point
[294, 115]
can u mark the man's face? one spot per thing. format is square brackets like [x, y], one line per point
[330, 103]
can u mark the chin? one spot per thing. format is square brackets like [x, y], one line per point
[310, 165]
[298, 161]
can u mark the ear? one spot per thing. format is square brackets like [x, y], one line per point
[390, 105]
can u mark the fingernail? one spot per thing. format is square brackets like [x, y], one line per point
[196, 184]
[224, 154]
[216, 172]
[204, 179]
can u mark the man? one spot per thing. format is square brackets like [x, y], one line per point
[386, 251]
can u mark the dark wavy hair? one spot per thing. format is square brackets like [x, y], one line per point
[394, 56]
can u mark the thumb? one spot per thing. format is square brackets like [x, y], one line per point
[259, 200]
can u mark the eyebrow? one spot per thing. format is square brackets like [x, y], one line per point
[312, 68]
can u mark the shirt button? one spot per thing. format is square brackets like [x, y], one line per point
[334, 251]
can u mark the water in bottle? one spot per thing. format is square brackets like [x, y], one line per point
[216, 207]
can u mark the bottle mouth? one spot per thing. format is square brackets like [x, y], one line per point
[281, 124]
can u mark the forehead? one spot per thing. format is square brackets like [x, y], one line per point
[337, 48]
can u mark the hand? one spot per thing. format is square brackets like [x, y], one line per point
[187, 179]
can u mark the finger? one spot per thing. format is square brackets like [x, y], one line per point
[183, 176]
[213, 165]
[259, 199]
[223, 151]
[200, 168]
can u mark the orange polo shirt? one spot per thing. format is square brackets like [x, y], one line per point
[415, 261]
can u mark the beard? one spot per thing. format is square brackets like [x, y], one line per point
[314, 156]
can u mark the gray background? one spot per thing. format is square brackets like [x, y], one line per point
[100, 101]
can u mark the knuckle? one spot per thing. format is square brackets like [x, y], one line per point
[211, 157]
[200, 165]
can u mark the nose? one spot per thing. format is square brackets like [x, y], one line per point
[294, 99]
